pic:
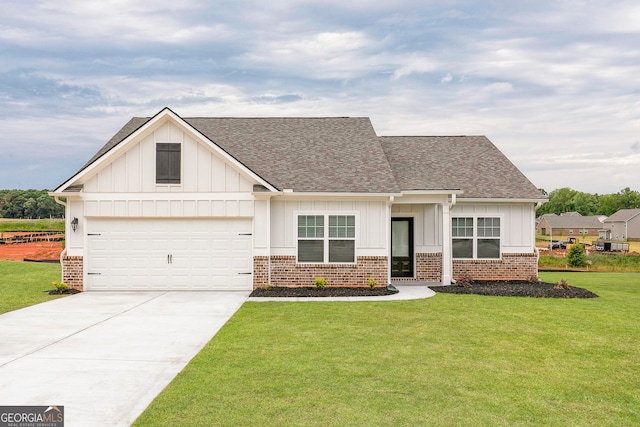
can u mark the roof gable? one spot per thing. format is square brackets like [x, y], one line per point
[135, 131]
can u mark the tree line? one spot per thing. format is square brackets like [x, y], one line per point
[26, 204]
[568, 200]
[38, 203]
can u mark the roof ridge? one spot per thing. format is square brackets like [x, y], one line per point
[277, 117]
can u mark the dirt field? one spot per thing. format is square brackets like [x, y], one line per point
[41, 251]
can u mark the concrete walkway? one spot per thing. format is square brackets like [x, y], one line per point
[105, 356]
[406, 292]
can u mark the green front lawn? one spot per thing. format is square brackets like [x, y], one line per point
[447, 360]
[32, 225]
[22, 283]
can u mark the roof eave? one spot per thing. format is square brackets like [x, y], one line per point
[292, 193]
[500, 200]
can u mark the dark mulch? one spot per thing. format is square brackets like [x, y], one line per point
[279, 291]
[65, 292]
[517, 289]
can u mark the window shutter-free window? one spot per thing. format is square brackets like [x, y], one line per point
[488, 238]
[342, 233]
[462, 234]
[168, 161]
[310, 238]
[476, 238]
[326, 238]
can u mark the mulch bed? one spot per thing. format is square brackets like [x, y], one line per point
[309, 291]
[509, 289]
[517, 289]
[65, 292]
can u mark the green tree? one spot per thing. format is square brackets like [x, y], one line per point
[576, 256]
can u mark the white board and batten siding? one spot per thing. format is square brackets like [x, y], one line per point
[371, 223]
[517, 222]
[204, 171]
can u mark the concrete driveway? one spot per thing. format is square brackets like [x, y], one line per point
[105, 356]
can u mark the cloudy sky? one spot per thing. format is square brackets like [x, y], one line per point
[554, 84]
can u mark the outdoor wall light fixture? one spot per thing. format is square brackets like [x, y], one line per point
[74, 224]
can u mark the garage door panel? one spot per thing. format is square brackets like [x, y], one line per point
[163, 254]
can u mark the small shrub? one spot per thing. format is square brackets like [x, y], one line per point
[533, 279]
[562, 284]
[320, 282]
[464, 281]
[576, 256]
[60, 287]
[372, 282]
[267, 286]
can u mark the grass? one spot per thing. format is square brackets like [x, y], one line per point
[22, 283]
[31, 225]
[448, 360]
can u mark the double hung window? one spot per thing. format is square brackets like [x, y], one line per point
[476, 237]
[326, 238]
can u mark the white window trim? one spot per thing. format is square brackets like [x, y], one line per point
[326, 238]
[475, 237]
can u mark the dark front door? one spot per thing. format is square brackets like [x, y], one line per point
[401, 247]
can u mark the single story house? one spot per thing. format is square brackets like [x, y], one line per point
[622, 225]
[571, 224]
[172, 203]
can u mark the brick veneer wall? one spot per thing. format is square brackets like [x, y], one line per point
[260, 271]
[286, 272]
[72, 272]
[428, 268]
[510, 267]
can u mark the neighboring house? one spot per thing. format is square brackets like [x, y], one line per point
[571, 224]
[235, 203]
[622, 225]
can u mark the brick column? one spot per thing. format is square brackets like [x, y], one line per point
[72, 272]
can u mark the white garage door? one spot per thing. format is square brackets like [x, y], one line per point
[169, 254]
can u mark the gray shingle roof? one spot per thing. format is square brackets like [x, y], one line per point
[470, 163]
[623, 215]
[572, 221]
[305, 154]
[342, 154]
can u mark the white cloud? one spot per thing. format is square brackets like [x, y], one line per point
[415, 65]
[446, 79]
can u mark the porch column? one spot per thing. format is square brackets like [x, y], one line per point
[388, 235]
[447, 265]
